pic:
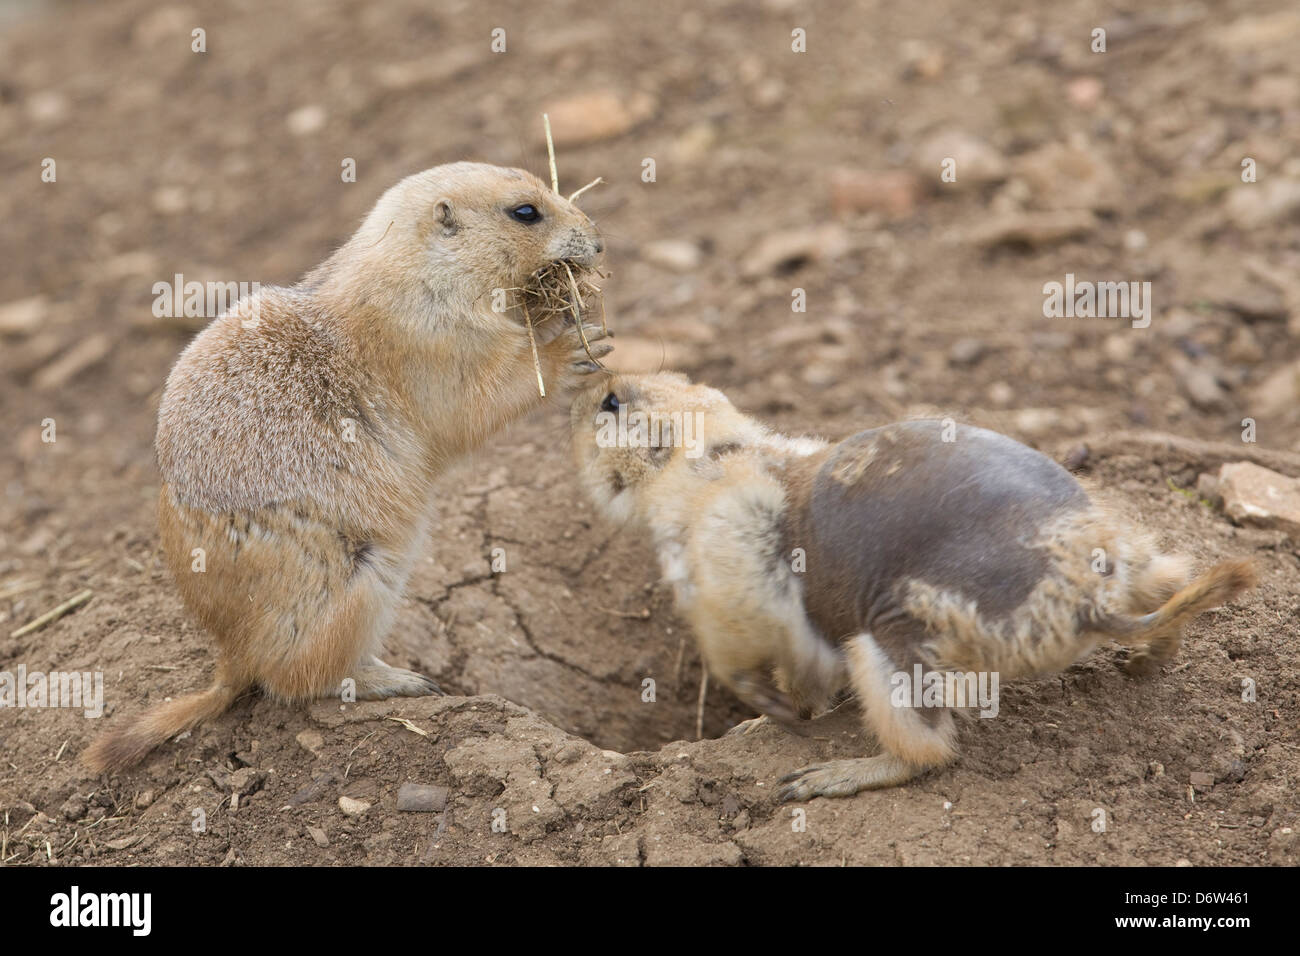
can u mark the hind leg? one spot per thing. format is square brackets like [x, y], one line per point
[1146, 661]
[322, 642]
[914, 739]
[293, 606]
[377, 681]
[1148, 588]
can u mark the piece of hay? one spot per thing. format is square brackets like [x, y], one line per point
[563, 286]
[532, 341]
[577, 304]
[550, 152]
[71, 604]
[595, 182]
[409, 726]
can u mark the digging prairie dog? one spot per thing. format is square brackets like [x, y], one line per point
[921, 549]
[299, 435]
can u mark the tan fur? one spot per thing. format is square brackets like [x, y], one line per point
[300, 433]
[716, 524]
[1158, 636]
[701, 515]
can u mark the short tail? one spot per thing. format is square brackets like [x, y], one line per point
[1162, 629]
[124, 746]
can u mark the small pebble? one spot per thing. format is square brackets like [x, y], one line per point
[352, 807]
[421, 798]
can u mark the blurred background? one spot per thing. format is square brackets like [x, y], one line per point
[773, 171]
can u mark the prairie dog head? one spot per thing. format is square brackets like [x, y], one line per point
[642, 440]
[456, 233]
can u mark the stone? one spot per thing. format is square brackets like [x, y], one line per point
[893, 192]
[1034, 228]
[1260, 496]
[247, 780]
[977, 163]
[316, 789]
[1207, 488]
[1248, 34]
[352, 807]
[1066, 177]
[74, 808]
[593, 117]
[421, 798]
[1201, 383]
[1271, 200]
[1085, 92]
[306, 120]
[23, 316]
[966, 351]
[676, 255]
[1278, 394]
[1254, 303]
[789, 249]
[1274, 91]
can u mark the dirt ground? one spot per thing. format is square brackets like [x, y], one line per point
[923, 297]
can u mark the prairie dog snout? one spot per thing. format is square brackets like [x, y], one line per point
[917, 549]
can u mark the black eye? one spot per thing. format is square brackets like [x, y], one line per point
[526, 213]
[610, 404]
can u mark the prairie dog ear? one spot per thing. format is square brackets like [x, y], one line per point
[444, 218]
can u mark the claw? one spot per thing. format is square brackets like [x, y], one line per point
[748, 726]
[843, 778]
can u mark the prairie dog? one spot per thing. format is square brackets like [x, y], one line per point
[300, 433]
[919, 548]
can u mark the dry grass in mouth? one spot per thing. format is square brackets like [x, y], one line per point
[560, 288]
[563, 286]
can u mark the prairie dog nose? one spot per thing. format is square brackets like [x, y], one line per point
[578, 245]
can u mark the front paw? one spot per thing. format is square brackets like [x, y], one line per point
[573, 359]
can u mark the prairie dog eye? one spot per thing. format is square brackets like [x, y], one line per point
[526, 213]
[611, 403]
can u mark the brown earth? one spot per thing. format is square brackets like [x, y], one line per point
[922, 296]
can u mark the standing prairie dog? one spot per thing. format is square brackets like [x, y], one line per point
[300, 433]
[920, 548]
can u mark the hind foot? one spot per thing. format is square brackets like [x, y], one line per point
[1146, 662]
[377, 681]
[844, 778]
